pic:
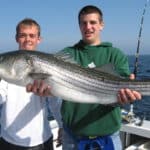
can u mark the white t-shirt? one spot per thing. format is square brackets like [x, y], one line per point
[24, 116]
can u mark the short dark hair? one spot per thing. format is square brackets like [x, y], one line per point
[28, 22]
[90, 9]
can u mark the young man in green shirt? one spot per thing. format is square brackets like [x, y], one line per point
[94, 125]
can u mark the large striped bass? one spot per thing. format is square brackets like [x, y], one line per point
[67, 80]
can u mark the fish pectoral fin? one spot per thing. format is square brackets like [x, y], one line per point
[39, 76]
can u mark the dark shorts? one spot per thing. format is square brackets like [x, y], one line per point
[48, 145]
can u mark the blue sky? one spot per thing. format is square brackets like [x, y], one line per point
[58, 20]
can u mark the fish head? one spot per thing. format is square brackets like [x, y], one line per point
[14, 67]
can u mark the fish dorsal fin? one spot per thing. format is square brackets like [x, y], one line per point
[108, 68]
[66, 57]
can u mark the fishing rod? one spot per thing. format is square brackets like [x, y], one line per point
[139, 40]
[137, 55]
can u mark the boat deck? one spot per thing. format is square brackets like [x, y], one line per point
[131, 133]
[143, 130]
